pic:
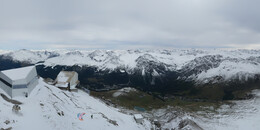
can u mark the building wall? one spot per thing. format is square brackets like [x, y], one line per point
[29, 87]
[30, 82]
[33, 83]
[3, 76]
[139, 120]
[31, 75]
[6, 88]
[74, 79]
[3, 86]
[19, 92]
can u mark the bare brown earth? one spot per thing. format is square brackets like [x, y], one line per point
[10, 100]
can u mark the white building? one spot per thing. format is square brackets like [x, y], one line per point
[19, 82]
[138, 118]
[67, 80]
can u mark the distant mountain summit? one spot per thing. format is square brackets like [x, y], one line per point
[193, 64]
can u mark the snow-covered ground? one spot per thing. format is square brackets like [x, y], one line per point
[42, 108]
[123, 91]
[239, 115]
[244, 115]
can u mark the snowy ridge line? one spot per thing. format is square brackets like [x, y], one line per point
[197, 64]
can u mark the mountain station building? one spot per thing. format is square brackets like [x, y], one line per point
[67, 80]
[19, 82]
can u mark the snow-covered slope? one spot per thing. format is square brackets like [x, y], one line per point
[49, 108]
[237, 115]
[195, 64]
[242, 115]
[30, 56]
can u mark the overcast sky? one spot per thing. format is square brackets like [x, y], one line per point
[129, 24]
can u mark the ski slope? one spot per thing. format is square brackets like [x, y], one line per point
[40, 111]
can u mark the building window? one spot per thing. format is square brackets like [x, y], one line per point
[6, 83]
[19, 86]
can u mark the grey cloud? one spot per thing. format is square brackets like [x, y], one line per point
[128, 24]
[243, 13]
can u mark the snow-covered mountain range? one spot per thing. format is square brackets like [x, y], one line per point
[202, 66]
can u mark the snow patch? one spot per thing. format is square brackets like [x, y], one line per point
[123, 91]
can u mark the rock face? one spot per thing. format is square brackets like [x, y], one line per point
[188, 124]
[10, 128]
[16, 109]
[7, 122]
[201, 64]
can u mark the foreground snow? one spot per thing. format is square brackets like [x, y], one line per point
[42, 108]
